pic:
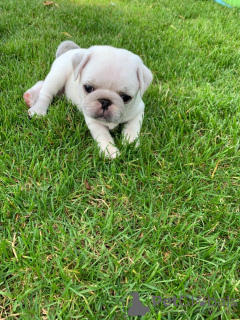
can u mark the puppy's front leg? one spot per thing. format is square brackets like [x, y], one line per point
[132, 128]
[101, 134]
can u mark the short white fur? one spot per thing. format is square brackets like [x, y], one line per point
[111, 73]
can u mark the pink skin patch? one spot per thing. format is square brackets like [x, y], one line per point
[31, 95]
[26, 98]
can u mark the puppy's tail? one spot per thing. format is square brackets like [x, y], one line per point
[66, 46]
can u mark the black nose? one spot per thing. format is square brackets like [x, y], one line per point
[105, 103]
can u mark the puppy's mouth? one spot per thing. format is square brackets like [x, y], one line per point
[102, 115]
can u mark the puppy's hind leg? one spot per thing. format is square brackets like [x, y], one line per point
[54, 82]
[31, 95]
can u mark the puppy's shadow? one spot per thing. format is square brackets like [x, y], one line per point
[117, 132]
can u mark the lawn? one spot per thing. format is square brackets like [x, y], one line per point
[79, 233]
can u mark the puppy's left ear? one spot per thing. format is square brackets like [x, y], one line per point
[145, 78]
[79, 61]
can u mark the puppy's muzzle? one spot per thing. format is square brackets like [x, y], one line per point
[105, 103]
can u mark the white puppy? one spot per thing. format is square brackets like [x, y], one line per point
[106, 84]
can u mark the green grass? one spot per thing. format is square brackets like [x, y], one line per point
[79, 233]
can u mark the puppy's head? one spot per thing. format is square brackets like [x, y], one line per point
[110, 81]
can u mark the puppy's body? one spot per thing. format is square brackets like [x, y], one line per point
[105, 83]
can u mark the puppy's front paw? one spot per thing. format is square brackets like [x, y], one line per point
[130, 136]
[36, 111]
[110, 152]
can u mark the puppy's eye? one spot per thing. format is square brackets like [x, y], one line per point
[88, 88]
[126, 98]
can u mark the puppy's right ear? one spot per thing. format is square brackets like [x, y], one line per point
[79, 61]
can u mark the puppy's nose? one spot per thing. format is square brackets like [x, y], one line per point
[105, 103]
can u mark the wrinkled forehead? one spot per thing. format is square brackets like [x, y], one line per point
[112, 70]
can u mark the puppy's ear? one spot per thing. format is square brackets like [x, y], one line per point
[145, 78]
[79, 61]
